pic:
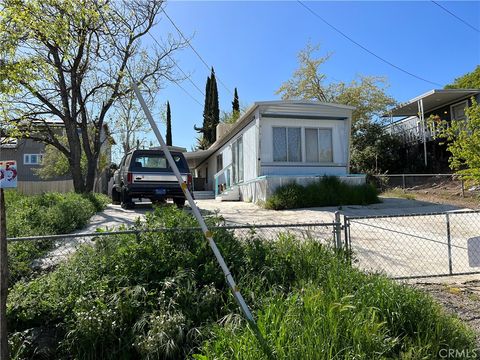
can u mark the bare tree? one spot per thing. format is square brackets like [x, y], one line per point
[67, 61]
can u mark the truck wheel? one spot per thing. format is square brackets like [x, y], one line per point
[179, 202]
[127, 202]
[115, 197]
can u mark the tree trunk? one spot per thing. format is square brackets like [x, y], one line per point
[91, 172]
[3, 280]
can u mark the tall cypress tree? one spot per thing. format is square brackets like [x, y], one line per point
[203, 142]
[235, 102]
[168, 135]
[235, 106]
[214, 108]
[211, 114]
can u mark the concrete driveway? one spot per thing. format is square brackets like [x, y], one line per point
[414, 244]
[247, 213]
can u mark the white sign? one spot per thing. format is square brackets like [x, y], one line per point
[8, 174]
[473, 245]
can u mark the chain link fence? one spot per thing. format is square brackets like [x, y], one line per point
[449, 183]
[31, 256]
[421, 245]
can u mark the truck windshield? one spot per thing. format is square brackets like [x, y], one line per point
[157, 162]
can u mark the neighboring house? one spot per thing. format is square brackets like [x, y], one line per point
[416, 122]
[29, 154]
[274, 143]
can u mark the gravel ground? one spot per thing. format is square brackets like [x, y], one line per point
[461, 299]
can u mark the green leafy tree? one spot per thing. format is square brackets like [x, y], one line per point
[168, 135]
[67, 60]
[470, 80]
[307, 81]
[372, 149]
[463, 142]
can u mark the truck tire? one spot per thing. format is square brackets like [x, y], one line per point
[179, 202]
[127, 202]
[115, 197]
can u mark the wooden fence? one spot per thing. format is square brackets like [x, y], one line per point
[39, 187]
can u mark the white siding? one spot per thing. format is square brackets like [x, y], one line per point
[340, 147]
[250, 156]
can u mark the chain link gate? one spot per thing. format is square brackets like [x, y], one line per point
[415, 245]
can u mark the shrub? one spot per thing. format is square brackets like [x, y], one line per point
[161, 295]
[329, 191]
[46, 214]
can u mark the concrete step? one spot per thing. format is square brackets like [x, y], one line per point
[203, 195]
[232, 194]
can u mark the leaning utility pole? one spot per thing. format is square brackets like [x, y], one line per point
[196, 211]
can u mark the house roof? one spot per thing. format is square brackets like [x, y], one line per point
[195, 158]
[431, 100]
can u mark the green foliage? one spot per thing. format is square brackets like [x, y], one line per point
[211, 114]
[307, 82]
[463, 142]
[46, 214]
[366, 93]
[470, 80]
[55, 163]
[373, 150]
[329, 191]
[326, 322]
[61, 62]
[160, 295]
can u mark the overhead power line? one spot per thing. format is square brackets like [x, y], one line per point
[195, 51]
[171, 59]
[456, 17]
[366, 49]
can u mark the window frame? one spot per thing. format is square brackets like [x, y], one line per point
[238, 161]
[27, 159]
[330, 129]
[287, 146]
[452, 113]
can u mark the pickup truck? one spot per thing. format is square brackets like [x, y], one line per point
[146, 174]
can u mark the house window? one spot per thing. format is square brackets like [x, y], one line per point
[32, 159]
[458, 111]
[237, 160]
[219, 162]
[318, 145]
[287, 144]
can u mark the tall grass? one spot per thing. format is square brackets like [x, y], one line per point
[163, 296]
[329, 191]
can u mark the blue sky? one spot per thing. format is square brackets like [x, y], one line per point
[253, 45]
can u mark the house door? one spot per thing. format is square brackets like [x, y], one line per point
[237, 161]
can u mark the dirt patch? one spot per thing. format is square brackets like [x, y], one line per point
[462, 300]
[441, 191]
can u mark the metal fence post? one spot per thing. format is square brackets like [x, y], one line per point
[449, 244]
[403, 181]
[338, 232]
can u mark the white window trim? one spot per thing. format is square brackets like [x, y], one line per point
[318, 139]
[303, 148]
[302, 144]
[455, 105]
[27, 157]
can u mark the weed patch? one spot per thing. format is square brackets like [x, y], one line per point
[46, 214]
[162, 296]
